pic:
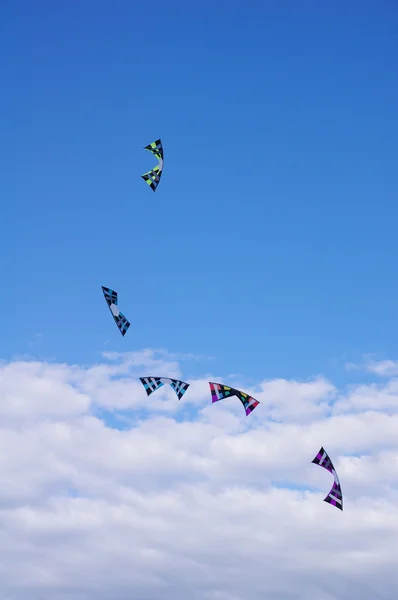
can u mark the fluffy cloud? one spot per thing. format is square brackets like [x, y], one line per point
[382, 368]
[106, 493]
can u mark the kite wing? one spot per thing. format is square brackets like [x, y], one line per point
[153, 176]
[335, 496]
[151, 384]
[118, 317]
[220, 391]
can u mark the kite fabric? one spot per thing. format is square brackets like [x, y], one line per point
[220, 391]
[151, 384]
[153, 176]
[335, 496]
[119, 318]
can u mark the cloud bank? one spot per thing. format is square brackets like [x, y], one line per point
[106, 493]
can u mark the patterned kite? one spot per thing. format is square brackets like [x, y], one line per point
[151, 384]
[335, 496]
[220, 391]
[119, 318]
[153, 177]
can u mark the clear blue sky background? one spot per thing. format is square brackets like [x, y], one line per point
[271, 243]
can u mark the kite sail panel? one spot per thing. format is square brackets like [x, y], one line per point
[151, 384]
[119, 318]
[220, 391]
[335, 496]
[153, 176]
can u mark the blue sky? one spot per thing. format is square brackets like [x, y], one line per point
[270, 249]
[271, 242]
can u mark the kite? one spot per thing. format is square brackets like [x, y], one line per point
[151, 384]
[119, 318]
[220, 391]
[153, 177]
[335, 496]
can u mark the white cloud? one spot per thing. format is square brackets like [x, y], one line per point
[384, 368]
[192, 500]
[371, 397]
[298, 401]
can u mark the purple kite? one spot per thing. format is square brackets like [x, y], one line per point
[219, 391]
[335, 496]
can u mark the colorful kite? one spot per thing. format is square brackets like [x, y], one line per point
[153, 177]
[151, 384]
[335, 496]
[119, 318]
[220, 391]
